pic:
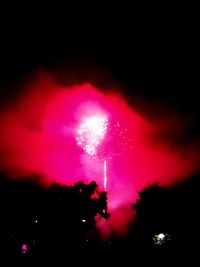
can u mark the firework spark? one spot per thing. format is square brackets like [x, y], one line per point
[105, 174]
[116, 143]
[91, 133]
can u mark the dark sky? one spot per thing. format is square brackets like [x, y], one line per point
[157, 60]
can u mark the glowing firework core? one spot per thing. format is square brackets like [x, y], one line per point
[91, 133]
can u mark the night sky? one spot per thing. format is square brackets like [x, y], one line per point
[155, 58]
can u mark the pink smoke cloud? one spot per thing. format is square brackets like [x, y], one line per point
[38, 137]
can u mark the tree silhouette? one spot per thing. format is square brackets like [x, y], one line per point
[50, 221]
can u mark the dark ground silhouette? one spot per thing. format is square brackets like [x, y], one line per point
[59, 223]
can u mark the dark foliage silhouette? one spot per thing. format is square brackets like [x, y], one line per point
[52, 221]
[59, 223]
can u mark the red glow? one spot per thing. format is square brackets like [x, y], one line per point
[38, 136]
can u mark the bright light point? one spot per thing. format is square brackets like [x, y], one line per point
[83, 220]
[161, 236]
[36, 221]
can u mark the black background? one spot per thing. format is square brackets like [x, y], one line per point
[153, 55]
